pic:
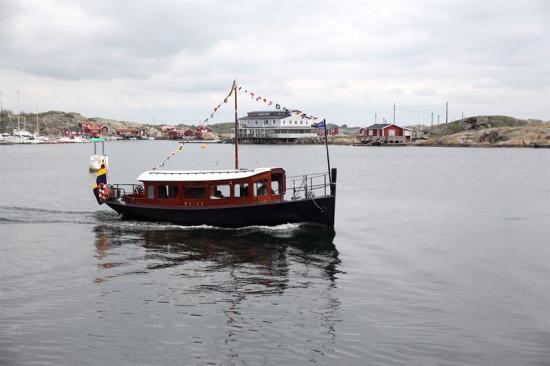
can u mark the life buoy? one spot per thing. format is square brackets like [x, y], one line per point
[103, 191]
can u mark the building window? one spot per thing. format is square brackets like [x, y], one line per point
[370, 132]
[301, 122]
[256, 122]
[240, 190]
[166, 191]
[295, 122]
[220, 191]
[195, 192]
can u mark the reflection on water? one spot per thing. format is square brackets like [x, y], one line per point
[265, 291]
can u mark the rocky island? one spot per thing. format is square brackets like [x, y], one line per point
[488, 131]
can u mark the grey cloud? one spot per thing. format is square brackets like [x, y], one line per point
[429, 51]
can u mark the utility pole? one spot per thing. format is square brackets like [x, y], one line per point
[446, 112]
[438, 119]
[375, 118]
[462, 115]
[432, 119]
[394, 113]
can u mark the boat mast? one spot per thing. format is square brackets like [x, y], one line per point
[18, 112]
[3, 128]
[37, 128]
[236, 127]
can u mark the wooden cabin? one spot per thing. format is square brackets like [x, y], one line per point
[208, 188]
[386, 133]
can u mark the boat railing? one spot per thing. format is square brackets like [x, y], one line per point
[308, 186]
[125, 191]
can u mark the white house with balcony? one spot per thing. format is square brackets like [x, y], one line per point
[275, 127]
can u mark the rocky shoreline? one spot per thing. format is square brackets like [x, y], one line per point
[489, 131]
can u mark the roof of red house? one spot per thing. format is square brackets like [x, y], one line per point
[378, 126]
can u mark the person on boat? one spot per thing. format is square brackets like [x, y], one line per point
[261, 191]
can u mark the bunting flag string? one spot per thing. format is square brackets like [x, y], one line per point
[217, 108]
[269, 102]
[201, 122]
[173, 153]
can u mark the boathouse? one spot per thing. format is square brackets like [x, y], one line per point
[272, 127]
[384, 133]
[130, 132]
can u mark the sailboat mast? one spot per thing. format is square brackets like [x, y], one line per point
[18, 112]
[37, 128]
[236, 128]
[3, 128]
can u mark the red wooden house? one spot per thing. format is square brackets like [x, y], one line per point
[204, 129]
[181, 134]
[130, 132]
[386, 133]
[330, 132]
[93, 130]
[72, 131]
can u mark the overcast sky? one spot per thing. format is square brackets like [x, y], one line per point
[344, 60]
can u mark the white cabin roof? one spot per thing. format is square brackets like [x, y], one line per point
[198, 175]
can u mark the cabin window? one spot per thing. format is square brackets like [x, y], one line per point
[150, 192]
[276, 183]
[240, 190]
[195, 192]
[260, 187]
[220, 191]
[166, 191]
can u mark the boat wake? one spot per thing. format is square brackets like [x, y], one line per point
[35, 215]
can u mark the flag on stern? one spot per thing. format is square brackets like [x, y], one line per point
[100, 184]
[321, 124]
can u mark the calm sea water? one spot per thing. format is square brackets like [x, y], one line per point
[441, 257]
